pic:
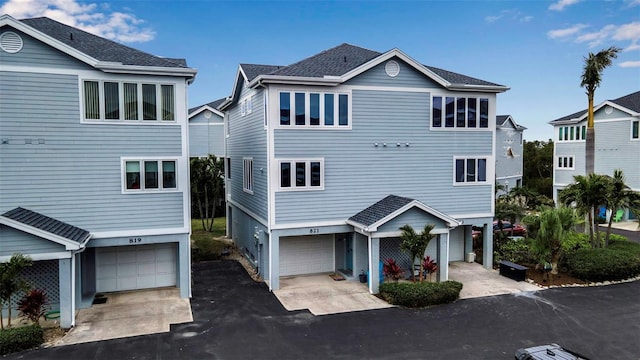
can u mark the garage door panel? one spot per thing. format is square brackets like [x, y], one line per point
[306, 255]
[135, 267]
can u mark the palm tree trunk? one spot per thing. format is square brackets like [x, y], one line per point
[593, 243]
[591, 138]
[606, 239]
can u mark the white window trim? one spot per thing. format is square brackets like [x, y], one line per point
[121, 120]
[307, 110]
[567, 129]
[573, 162]
[293, 186]
[160, 189]
[631, 131]
[247, 177]
[488, 160]
[455, 113]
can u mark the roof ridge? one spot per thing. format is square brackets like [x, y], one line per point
[323, 52]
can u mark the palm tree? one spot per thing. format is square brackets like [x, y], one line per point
[11, 282]
[553, 223]
[594, 65]
[416, 244]
[586, 194]
[207, 187]
[619, 196]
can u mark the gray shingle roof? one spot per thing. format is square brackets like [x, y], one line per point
[380, 210]
[340, 60]
[45, 223]
[631, 102]
[99, 48]
[501, 119]
[214, 104]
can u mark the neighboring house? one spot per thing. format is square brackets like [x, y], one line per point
[509, 151]
[206, 130]
[328, 157]
[94, 182]
[617, 144]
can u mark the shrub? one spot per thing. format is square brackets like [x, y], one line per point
[574, 241]
[604, 264]
[515, 250]
[420, 294]
[391, 270]
[33, 305]
[21, 338]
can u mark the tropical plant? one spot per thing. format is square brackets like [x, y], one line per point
[586, 194]
[207, 187]
[594, 65]
[619, 196]
[416, 244]
[429, 266]
[33, 305]
[554, 223]
[537, 172]
[392, 270]
[11, 282]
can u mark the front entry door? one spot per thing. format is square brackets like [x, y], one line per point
[348, 261]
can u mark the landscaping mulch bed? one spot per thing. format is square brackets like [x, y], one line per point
[559, 279]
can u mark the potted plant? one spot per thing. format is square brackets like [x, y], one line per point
[362, 276]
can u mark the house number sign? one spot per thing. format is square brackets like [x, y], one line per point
[135, 240]
[314, 230]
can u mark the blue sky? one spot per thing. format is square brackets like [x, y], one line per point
[534, 47]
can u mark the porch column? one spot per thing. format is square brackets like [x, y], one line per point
[184, 267]
[374, 267]
[487, 246]
[274, 261]
[66, 306]
[443, 257]
[468, 239]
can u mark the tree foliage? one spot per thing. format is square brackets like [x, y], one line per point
[620, 196]
[207, 187]
[416, 244]
[11, 283]
[537, 174]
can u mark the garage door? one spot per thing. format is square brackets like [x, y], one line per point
[135, 267]
[306, 255]
[456, 248]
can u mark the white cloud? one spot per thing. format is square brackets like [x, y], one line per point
[598, 37]
[630, 64]
[561, 4]
[563, 33]
[512, 14]
[93, 18]
[632, 3]
[629, 31]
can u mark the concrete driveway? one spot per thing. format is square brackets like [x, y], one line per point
[127, 314]
[322, 295]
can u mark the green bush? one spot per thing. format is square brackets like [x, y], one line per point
[20, 338]
[574, 241]
[420, 294]
[514, 250]
[613, 263]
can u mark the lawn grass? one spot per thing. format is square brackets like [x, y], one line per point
[205, 245]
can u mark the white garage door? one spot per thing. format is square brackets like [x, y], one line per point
[135, 267]
[456, 248]
[306, 254]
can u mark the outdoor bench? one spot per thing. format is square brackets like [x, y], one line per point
[513, 270]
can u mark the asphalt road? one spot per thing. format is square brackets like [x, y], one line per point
[236, 318]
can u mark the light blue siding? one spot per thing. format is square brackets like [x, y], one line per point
[357, 173]
[248, 138]
[414, 217]
[55, 165]
[575, 149]
[616, 150]
[244, 230]
[206, 136]
[509, 156]
[13, 241]
[36, 53]
[407, 77]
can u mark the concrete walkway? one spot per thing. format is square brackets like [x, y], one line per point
[322, 295]
[623, 225]
[479, 282]
[127, 314]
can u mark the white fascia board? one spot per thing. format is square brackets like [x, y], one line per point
[451, 222]
[567, 121]
[41, 256]
[293, 80]
[118, 68]
[68, 244]
[615, 106]
[142, 232]
[483, 88]
[230, 99]
[206, 107]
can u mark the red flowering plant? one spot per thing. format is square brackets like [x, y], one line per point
[33, 305]
[429, 266]
[391, 270]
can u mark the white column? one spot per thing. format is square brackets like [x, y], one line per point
[443, 257]
[66, 303]
[374, 267]
[274, 261]
[487, 246]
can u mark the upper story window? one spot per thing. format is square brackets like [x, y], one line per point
[459, 112]
[301, 174]
[247, 178]
[246, 106]
[470, 170]
[315, 110]
[572, 133]
[635, 131]
[565, 162]
[143, 175]
[128, 101]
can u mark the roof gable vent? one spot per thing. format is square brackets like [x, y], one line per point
[10, 42]
[392, 68]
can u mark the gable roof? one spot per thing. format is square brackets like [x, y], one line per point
[212, 106]
[48, 228]
[502, 120]
[343, 62]
[390, 207]
[96, 51]
[629, 103]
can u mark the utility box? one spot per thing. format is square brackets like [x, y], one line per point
[471, 257]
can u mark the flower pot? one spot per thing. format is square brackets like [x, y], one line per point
[363, 278]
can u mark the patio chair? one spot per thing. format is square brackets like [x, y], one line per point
[618, 216]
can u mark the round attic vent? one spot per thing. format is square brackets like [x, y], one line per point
[10, 42]
[608, 110]
[392, 68]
